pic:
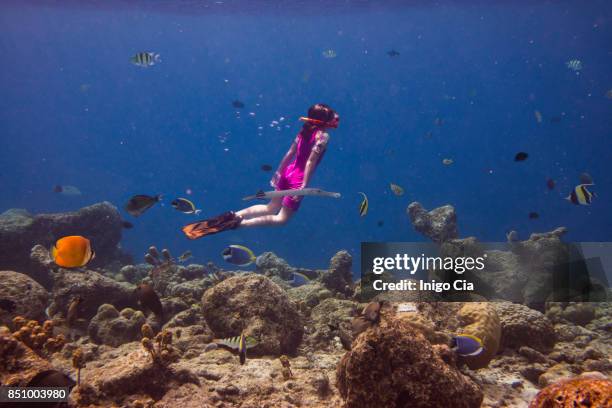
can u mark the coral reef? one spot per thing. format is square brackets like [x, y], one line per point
[393, 365]
[39, 338]
[331, 320]
[579, 392]
[93, 288]
[124, 374]
[339, 277]
[481, 320]
[18, 362]
[439, 224]
[399, 357]
[522, 326]
[255, 305]
[114, 328]
[270, 265]
[577, 313]
[311, 294]
[20, 231]
[159, 346]
[21, 295]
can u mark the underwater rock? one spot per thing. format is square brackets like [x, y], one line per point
[332, 318]
[114, 328]
[190, 291]
[421, 322]
[18, 363]
[134, 274]
[193, 271]
[311, 294]
[93, 288]
[522, 326]
[393, 365]
[20, 231]
[540, 256]
[339, 277]
[125, 371]
[21, 295]
[269, 265]
[189, 317]
[579, 392]
[503, 276]
[253, 304]
[555, 373]
[578, 313]
[439, 224]
[480, 319]
[186, 396]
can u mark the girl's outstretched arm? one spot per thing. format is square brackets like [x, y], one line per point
[284, 162]
[315, 156]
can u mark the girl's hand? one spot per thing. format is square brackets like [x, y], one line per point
[274, 180]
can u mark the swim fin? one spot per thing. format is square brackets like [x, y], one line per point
[221, 222]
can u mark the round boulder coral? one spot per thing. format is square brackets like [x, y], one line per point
[255, 305]
[522, 326]
[114, 328]
[393, 365]
[21, 295]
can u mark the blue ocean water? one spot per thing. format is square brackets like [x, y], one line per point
[75, 111]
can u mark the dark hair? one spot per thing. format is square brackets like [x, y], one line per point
[320, 111]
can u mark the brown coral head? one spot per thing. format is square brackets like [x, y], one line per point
[48, 326]
[19, 322]
[578, 392]
[147, 331]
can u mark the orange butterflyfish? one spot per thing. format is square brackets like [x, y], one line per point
[72, 252]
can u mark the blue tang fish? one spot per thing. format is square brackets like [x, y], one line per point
[466, 345]
[238, 255]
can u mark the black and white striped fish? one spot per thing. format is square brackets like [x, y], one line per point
[145, 59]
[240, 343]
[580, 195]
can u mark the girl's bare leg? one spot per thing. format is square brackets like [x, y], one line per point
[277, 219]
[261, 209]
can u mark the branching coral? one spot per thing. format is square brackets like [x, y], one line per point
[160, 346]
[78, 362]
[38, 338]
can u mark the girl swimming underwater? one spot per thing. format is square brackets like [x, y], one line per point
[294, 173]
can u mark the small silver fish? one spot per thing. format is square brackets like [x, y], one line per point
[145, 59]
[329, 54]
[574, 65]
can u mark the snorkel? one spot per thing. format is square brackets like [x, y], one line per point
[331, 124]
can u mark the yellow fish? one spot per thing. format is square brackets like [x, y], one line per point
[363, 207]
[72, 252]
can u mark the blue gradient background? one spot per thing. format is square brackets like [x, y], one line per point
[484, 67]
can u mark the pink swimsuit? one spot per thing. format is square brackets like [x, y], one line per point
[293, 175]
